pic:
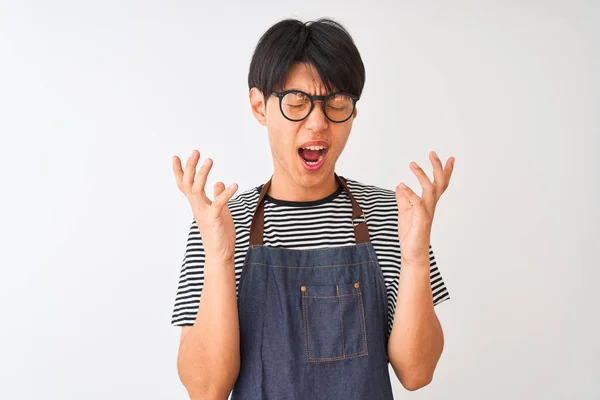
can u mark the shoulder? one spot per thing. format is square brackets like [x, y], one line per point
[247, 196]
[244, 202]
[370, 194]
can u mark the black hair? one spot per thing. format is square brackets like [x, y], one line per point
[324, 43]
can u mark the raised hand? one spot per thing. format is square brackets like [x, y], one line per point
[213, 217]
[415, 214]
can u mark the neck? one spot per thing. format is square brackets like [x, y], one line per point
[285, 188]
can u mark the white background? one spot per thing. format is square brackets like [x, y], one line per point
[95, 98]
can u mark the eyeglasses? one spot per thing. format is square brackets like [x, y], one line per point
[296, 105]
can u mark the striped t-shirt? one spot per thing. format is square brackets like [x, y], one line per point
[306, 225]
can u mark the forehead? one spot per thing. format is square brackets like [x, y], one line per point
[305, 77]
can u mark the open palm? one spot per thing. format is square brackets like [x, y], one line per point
[415, 214]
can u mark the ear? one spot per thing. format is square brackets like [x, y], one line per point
[355, 112]
[257, 104]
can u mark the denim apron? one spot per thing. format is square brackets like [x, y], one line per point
[313, 323]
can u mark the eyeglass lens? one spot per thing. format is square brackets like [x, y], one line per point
[296, 106]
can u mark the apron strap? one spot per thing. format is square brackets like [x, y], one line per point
[361, 231]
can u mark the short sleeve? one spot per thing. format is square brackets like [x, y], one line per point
[439, 290]
[191, 280]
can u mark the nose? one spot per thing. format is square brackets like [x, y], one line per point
[316, 120]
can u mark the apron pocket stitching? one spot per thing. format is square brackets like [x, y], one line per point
[306, 331]
[362, 316]
[326, 337]
[341, 319]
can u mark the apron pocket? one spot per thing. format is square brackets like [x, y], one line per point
[334, 322]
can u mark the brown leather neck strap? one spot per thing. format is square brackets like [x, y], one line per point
[361, 232]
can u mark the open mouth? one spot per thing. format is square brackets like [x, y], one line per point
[312, 156]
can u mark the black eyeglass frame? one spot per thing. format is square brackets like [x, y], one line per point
[312, 99]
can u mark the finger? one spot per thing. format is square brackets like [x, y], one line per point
[221, 200]
[177, 171]
[439, 178]
[200, 180]
[428, 188]
[218, 189]
[448, 170]
[403, 202]
[421, 176]
[412, 197]
[190, 170]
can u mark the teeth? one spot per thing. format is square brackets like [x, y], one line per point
[314, 148]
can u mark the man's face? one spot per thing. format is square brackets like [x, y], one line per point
[288, 138]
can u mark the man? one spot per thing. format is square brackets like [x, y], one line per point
[290, 289]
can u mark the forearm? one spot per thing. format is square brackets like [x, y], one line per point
[416, 340]
[209, 354]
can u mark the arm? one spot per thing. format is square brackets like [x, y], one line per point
[208, 362]
[209, 353]
[416, 341]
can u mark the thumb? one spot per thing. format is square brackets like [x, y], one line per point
[403, 199]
